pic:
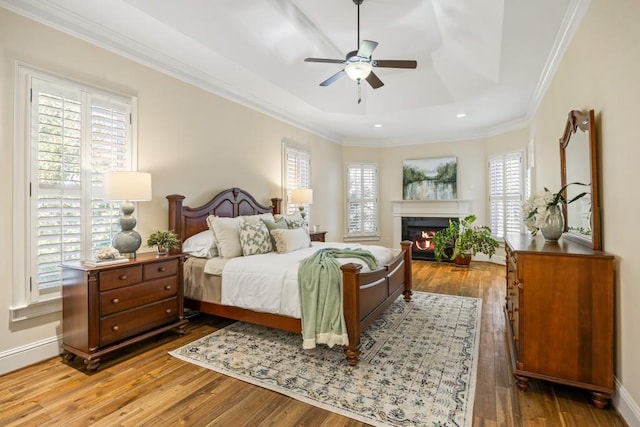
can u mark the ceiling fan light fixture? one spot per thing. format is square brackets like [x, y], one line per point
[358, 70]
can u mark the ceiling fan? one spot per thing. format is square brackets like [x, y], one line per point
[359, 65]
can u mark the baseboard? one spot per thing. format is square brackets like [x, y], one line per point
[625, 405]
[20, 357]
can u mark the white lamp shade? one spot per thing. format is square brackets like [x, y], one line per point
[358, 70]
[302, 196]
[132, 186]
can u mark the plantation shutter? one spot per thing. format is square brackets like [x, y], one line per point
[75, 136]
[362, 199]
[506, 193]
[298, 174]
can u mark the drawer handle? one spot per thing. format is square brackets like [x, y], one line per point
[168, 311]
[115, 300]
[122, 277]
[115, 328]
[168, 287]
[162, 269]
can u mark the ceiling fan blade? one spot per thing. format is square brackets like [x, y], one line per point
[333, 78]
[374, 81]
[366, 48]
[394, 63]
[330, 61]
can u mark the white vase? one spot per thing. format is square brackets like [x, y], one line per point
[554, 224]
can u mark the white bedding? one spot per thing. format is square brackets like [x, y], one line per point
[268, 282]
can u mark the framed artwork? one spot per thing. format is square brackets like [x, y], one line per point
[429, 179]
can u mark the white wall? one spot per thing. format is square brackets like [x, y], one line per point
[193, 142]
[601, 71]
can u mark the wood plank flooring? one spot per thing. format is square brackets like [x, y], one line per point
[144, 386]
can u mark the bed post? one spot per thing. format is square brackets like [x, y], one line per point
[351, 310]
[408, 273]
[175, 215]
[276, 205]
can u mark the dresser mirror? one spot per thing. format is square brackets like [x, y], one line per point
[579, 163]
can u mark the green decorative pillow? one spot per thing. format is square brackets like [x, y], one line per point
[279, 224]
[255, 238]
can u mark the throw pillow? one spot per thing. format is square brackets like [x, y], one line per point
[279, 224]
[255, 238]
[290, 239]
[227, 235]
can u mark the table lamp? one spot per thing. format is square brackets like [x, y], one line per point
[302, 197]
[128, 187]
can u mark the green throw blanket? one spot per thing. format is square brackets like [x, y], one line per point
[320, 284]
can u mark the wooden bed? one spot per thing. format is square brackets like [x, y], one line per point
[366, 295]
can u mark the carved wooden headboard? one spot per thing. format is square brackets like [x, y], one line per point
[186, 221]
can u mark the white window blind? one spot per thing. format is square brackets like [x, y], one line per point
[297, 174]
[75, 134]
[506, 184]
[362, 199]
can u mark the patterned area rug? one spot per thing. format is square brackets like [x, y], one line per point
[417, 367]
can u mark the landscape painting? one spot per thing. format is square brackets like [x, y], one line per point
[429, 179]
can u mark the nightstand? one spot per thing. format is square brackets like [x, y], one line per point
[317, 236]
[109, 307]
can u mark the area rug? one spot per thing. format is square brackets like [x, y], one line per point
[417, 367]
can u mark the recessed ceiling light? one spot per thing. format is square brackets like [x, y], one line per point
[461, 115]
[377, 125]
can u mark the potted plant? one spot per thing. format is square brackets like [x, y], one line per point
[460, 240]
[164, 241]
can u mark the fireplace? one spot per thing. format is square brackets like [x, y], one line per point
[420, 231]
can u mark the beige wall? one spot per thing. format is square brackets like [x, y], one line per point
[601, 71]
[193, 142]
[471, 158]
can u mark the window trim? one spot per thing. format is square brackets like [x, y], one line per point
[25, 301]
[361, 236]
[523, 172]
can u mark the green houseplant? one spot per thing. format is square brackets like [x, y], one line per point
[164, 241]
[461, 239]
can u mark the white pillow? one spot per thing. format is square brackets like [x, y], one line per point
[227, 235]
[290, 239]
[200, 245]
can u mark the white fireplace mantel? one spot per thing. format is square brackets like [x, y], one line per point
[456, 208]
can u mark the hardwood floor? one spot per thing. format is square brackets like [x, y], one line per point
[143, 385]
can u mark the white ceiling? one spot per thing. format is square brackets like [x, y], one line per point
[488, 59]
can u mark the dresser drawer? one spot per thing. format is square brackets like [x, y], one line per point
[160, 269]
[113, 279]
[137, 295]
[131, 322]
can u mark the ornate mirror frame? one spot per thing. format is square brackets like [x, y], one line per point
[579, 163]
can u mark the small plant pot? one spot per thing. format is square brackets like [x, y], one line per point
[162, 250]
[462, 261]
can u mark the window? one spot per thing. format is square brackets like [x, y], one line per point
[506, 185]
[296, 174]
[67, 135]
[362, 199]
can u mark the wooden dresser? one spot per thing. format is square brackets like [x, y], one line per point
[559, 314]
[109, 307]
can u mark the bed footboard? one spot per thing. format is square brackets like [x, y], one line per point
[367, 295]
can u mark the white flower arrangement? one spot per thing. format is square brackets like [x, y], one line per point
[536, 208]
